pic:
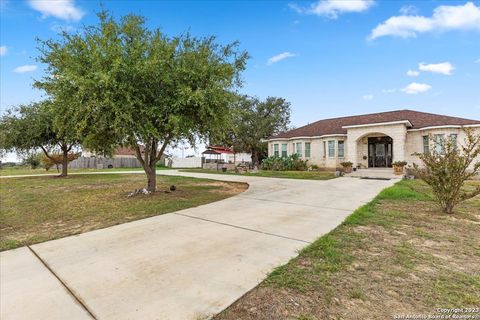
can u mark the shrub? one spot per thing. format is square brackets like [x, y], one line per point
[32, 160]
[292, 162]
[314, 167]
[447, 170]
[399, 163]
[55, 159]
[346, 164]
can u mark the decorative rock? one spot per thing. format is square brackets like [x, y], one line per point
[173, 188]
[138, 191]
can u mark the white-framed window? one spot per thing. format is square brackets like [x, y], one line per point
[439, 143]
[331, 148]
[275, 150]
[341, 149]
[284, 150]
[426, 144]
[453, 138]
[308, 146]
[298, 148]
[324, 149]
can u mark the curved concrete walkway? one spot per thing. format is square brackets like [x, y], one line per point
[189, 264]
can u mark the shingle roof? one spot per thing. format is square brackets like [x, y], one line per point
[335, 125]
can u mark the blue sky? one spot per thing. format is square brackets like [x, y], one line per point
[328, 58]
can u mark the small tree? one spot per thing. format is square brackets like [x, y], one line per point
[447, 167]
[27, 128]
[32, 159]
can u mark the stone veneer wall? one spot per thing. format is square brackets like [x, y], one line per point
[356, 141]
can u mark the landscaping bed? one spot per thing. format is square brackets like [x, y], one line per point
[36, 209]
[311, 175]
[398, 255]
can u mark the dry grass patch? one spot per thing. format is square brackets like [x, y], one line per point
[37, 209]
[399, 254]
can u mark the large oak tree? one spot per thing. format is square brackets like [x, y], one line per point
[136, 87]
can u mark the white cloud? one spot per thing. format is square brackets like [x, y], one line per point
[368, 97]
[333, 8]
[477, 61]
[62, 9]
[413, 73]
[3, 50]
[25, 68]
[444, 18]
[445, 68]
[280, 57]
[415, 88]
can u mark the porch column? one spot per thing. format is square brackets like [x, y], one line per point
[352, 150]
[399, 139]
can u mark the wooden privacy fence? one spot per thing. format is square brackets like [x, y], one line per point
[104, 163]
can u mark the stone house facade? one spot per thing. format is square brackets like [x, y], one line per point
[370, 141]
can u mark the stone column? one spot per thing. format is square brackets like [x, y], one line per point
[351, 145]
[399, 138]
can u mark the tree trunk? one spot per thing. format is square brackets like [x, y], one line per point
[449, 208]
[254, 158]
[149, 160]
[151, 178]
[64, 162]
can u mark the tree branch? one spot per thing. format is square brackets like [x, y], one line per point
[162, 149]
[46, 153]
[139, 154]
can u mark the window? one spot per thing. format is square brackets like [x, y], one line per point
[439, 143]
[308, 146]
[324, 149]
[426, 144]
[453, 138]
[341, 149]
[298, 147]
[275, 150]
[331, 148]
[284, 150]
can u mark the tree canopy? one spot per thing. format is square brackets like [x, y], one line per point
[25, 128]
[131, 86]
[253, 121]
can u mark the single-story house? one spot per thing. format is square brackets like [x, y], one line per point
[370, 140]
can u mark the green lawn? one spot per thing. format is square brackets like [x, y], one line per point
[22, 170]
[36, 209]
[399, 254]
[311, 175]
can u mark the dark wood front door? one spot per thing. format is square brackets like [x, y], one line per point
[380, 152]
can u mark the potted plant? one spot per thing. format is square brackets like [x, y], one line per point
[398, 166]
[347, 166]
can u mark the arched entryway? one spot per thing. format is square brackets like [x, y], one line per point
[380, 152]
[375, 150]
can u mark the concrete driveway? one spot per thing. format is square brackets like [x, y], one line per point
[190, 264]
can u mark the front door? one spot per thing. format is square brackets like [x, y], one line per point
[380, 152]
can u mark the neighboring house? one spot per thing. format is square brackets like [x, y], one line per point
[371, 140]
